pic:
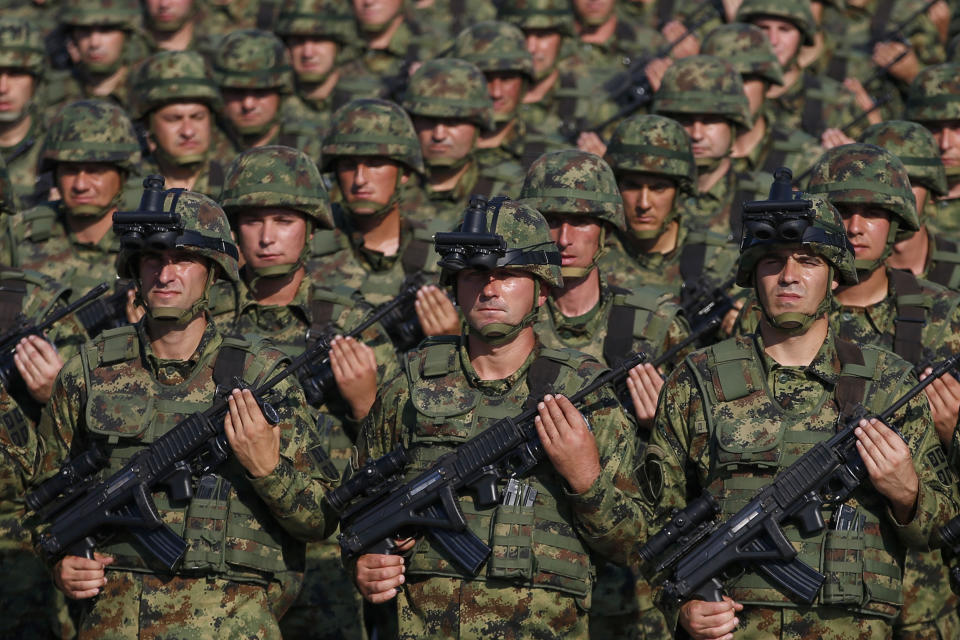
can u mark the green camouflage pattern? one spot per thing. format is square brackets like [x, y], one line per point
[538, 14]
[494, 46]
[574, 182]
[869, 175]
[713, 209]
[916, 148]
[450, 88]
[323, 19]
[953, 49]
[747, 48]
[277, 176]
[703, 85]
[796, 12]
[442, 20]
[373, 127]
[125, 14]
[21, 162]
[935, 94]
[834, 106]
[173, 76]
[653, 144]
[384, 73]
[490, 174]
[779, 147]
[253, 59]
[21, 46]
[944, 215]
[91, 131]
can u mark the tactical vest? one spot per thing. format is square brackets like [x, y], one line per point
[228, 530]
[945, 263]
[533, 546]
[633, 316]
[754, 439]
[415, 256]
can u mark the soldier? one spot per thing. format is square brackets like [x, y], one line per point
[22, 69]
[246, 523]
[253, 71]
[934, 101]
[768, 145]
[275, 199]
[605, 322]
[735, 414]
[178, 26]
[444, 19]
[177, 102]
[448, 101]
[705, 95]
[537, 581]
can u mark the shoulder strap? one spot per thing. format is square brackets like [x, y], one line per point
[665, 12]
[851, 387]
[778, 153]
[541, 379]
[12, 293]
[730, 378]
[811, 120]
[880, 20]
[911, 316]
[415, 256]
[693, 257]
[215, 176]
[39, 221]
[619, 340]
[230, 360]
[119, 345]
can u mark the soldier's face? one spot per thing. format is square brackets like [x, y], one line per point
[444, 140]
[376, 12]
[271, 236]
[791, 280]
[578, 238]
[593, 12]
[544, 46]
[711, 135]
[947, 135]
[647, 199]
[785, 38]
[310, 56]
[250, 108]
[97, 47]
[367, 182]
[87, 184]
[168, 15]
[867, 228]
[172, 278]
[16, 91]
[506, 90]
[500, 295]
[182, 129]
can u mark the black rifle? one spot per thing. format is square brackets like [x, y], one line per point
[703, 550]
[105, 313]
[80, 514]
[950, 537]
[509, 447]
[702, 300]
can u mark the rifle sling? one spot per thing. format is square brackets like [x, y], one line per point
[911, 318]
[12, 293]
[851, 389]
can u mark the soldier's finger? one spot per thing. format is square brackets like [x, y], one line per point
[557, 415]
[950, 387]
[232, 425]
[251, 408]
[24, 367]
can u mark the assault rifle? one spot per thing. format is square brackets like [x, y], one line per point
[376, 505]
[82, 511]
[696, 551]
[108, 312]
[702, 301]
[950, 537]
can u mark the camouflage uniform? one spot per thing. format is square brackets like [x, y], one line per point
[171, 77]
[657, 13]
[732, 417]
[244, 535]
[934, 98]
[199, 19]
[223, 17]
[538, 579]
[747, 48]
[442, 20]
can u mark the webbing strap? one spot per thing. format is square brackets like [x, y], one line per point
[12, 293]
[851, 389]
[911, 317]
[812, 119]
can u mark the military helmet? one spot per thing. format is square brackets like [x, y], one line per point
[325, 19]
[252, 59]
[703, 85]
[573, 182]
[276, 176]
[494, 46]
[91, 131]
[125, 14]
[372, 127]
[916, 148]
[654, 144]
[21, 47]
[173, 76]
[796, 12]
[450, 88]
[935, 94]
[538, 14]
[747, 48]
[866, 174]
[202, 229]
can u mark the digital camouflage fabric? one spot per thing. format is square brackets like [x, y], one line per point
[450, 88]
[21, 47]
[653, 144]
[703, 85]
[125, 14]
[321, 19]
[372, 127]
[796, 12]
[253, 59]
[538, 14]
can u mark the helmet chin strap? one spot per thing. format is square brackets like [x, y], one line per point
[167, 158]
[583, 272]
[500, 333]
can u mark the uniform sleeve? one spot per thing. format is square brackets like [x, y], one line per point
[59, 421]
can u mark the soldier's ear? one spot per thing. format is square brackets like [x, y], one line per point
[72, 50]
[404, 176]
[834, 284]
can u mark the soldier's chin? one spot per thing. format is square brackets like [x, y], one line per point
[312, 77]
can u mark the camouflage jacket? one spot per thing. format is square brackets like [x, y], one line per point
[22, 159]
[524, 144]
[813, 104]
[210, 180]
[442, 20]
[486, 180]
[718, 209]
[780, 147]
[383, 73]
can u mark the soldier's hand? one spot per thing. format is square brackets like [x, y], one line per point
[710, 620]
[255, 441]
[939, 14]
[378, 576]
[568, 442]
[81, 578]
[888, 462]
[133, 310]
[644, 383]
[730, 319]
[355, 369]
[833, 137]
[437, 315]
[689, 46]
[864, 100]
[655, 70]
[38, 363]
[906, 68]
[591, 143]
[944, 397]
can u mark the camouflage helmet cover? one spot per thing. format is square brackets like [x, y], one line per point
[173, 76]
[935, 94]
[538, 14]
[916, 148]
[125, 14]
[91, 131]
[866, 174]
[324, 19]
[654, 144]
[252, 59]
[21, 46]
[703, 85]
[372, 127]
[494, 46]
[276, 176]
[747, 48]
[796, 12]
[573, 182]
[450, 88]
